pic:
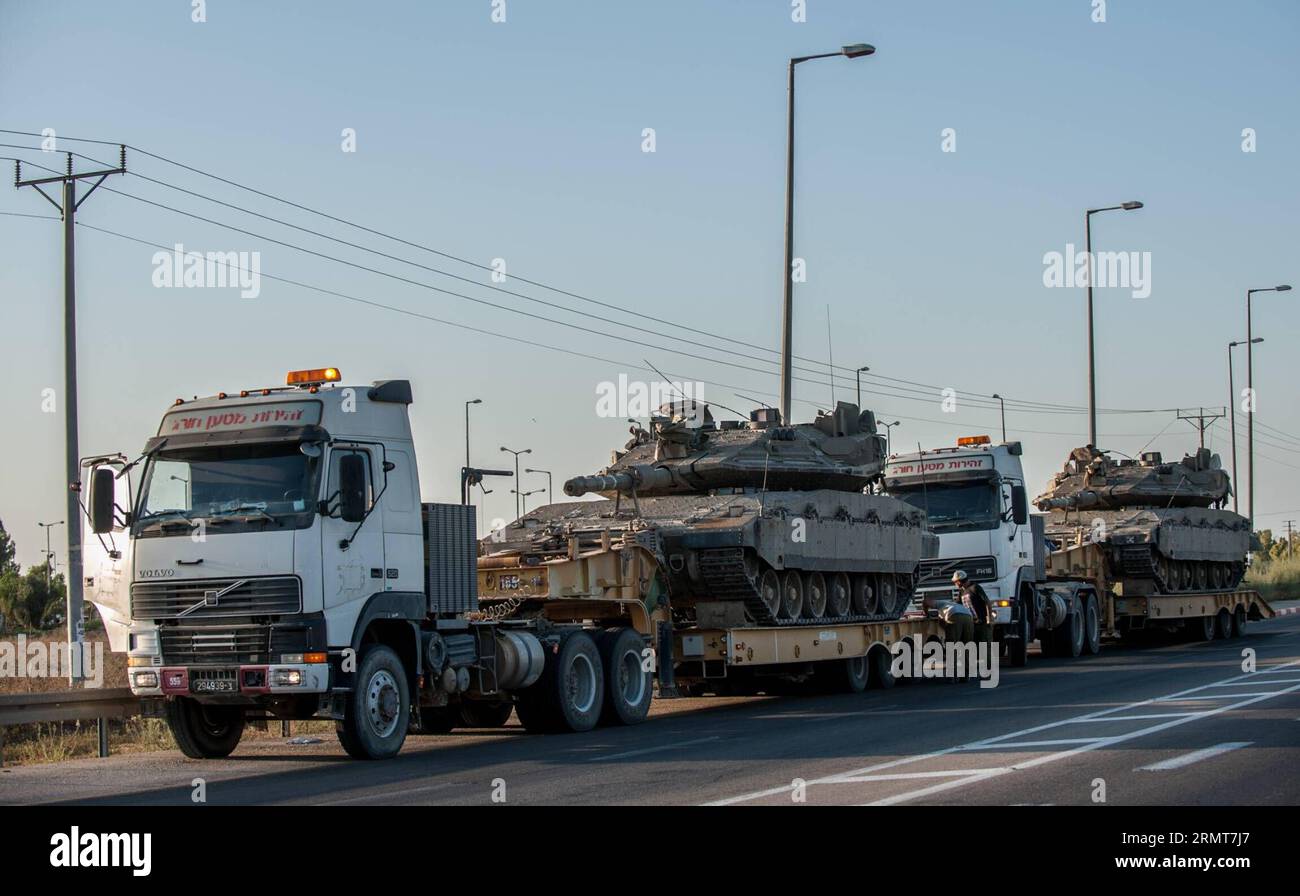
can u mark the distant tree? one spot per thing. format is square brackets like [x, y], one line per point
[8, 550]
[26, 601]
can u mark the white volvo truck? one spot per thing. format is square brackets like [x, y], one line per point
[282, 565]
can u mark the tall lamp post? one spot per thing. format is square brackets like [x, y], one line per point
[852, 51]
[889, 435]
[550, 495]
[465, 492]
[1232, 410]
[1092, 357]
[524, 495]
[857, 375]
[49, 555]
[1250, 414]
[518, 512]
[1003, 403]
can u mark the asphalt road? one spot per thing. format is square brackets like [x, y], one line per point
[1172, 724]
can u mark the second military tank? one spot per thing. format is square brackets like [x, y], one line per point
[748, 523]
[1161, 526]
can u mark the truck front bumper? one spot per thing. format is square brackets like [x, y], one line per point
[246, 680]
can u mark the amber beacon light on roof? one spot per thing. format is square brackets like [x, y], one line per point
[313, 377]
[967, 441]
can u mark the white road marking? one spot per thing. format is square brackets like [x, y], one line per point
[1189, 758]
[648, 750]
[1174, 720]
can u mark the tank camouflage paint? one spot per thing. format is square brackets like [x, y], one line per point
[748, 523]
[1161, 526]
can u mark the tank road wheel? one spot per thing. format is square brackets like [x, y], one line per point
[204, 732]
[1200, 575]
[814, 595]
[1188, 575]
[1239, 621]
[1223, 622]
[570, 694]
[791, 595]
[1165, 574]
[378, 711]
[839, 595]
[1091, 626]
[769, 591]
[888, 592]
[628, 685]
[864, 595]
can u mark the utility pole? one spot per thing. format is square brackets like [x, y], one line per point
[1290, 545]
[68, 210]
[49, 554]
[1201, 421]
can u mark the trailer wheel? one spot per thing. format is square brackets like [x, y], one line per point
[850, 676]
[881, 662]
[570, 693]
[378, 711]
[628, 684]
[1204, 629]
[485, 713]
[1239, 621]
[1092, 626]
[1223, 621]
[204, 732]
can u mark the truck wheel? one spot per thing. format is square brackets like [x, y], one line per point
[881, 662]
[1203, 629]
[1224, 623]
[1070, 637]
[1092, 626]
[1239, 621]
[1018, 650]
[850, 676]
[570, 693]
[378, 711]
[204, 732]
[628, 685]
[485, 713]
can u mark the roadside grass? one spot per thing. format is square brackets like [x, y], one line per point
[1276, 580]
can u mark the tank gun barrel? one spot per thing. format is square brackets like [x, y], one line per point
[636, 477]
[1077, 501]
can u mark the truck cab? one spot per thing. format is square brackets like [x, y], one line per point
[974, 497]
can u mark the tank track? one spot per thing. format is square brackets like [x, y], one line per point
[725, 578]
[1139, 562]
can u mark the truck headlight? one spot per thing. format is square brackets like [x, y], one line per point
[145, 679]
[286, 678]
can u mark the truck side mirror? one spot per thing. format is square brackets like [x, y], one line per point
[1019, 505]
[352, 488]
[102, 487]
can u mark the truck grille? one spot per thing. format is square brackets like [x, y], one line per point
[245, 644]
[203, 599]
[938, 573]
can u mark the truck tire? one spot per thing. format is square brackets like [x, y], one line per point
[204, 732]
[1239, 621]
[1091, 626]
[629, 687]
[850, 676]
[485, 713]
[1203, 629]
[1018, 650]
[1224, 623]
[1067, 639]
[570, 694]
[881, 662]
[378, 711]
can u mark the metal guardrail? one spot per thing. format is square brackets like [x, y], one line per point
[68, 706]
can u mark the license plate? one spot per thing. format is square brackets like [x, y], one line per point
[214, 686]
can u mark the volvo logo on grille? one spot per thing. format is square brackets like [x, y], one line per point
[157, 573]
[211, 598]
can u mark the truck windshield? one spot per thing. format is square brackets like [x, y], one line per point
[956, 506]
[230, 485]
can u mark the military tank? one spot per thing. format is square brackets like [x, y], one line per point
[1160, 526]
[748, 523]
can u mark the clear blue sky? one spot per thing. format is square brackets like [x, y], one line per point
[523, 141]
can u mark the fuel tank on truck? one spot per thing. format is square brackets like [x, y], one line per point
[1161, 526]
[748, 522]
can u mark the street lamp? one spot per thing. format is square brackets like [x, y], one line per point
[1232, 410]
[852, 51]
[1092, 358]
[524, 495]
[518, 512]
[49, 555]
[857, 375]
[550, 495]
[889, 433]
[1003, 403]
[465, 492]
[1250, 414]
